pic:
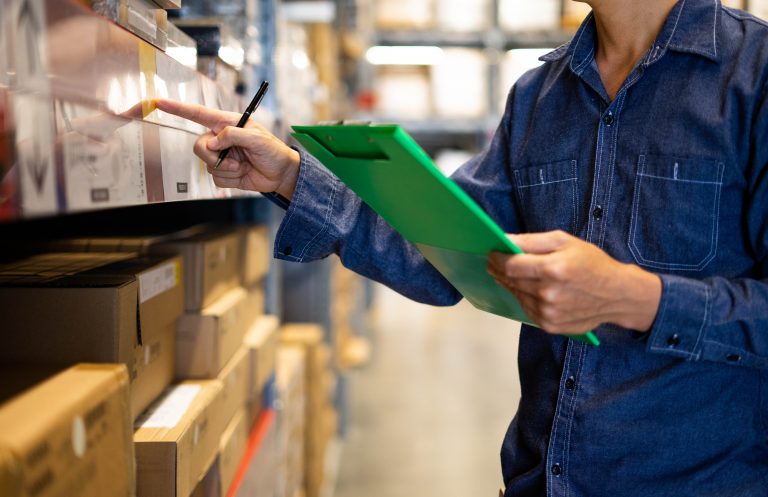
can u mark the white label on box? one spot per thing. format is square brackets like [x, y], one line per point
[168, 412]
[154, 282]
[104, 162]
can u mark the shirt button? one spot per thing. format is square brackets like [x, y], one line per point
[597, 213]
[570, 383]
[733, 357]
[288, 250]
[608, 119]
[557, 470]
[674, 340]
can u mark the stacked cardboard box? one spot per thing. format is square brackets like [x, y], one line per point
[350, 347]
[291, 385]
[61, 309]
[70, 435]
[319, 406]
[178, 438]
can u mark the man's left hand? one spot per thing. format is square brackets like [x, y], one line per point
[567, 285]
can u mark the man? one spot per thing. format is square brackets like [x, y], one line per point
[636, 159]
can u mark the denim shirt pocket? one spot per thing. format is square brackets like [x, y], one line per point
[675, 212]
[548, 196]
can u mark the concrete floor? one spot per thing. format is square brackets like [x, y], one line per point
[428, 414]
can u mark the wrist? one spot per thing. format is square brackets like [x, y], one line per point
[290, 175]
[641, 298]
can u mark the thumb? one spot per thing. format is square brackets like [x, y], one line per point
[540, 243]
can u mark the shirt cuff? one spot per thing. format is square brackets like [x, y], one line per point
[303, 235]
[682, 318]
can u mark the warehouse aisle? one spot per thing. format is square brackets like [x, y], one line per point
[429, 412]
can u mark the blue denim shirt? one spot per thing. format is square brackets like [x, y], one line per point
[672, 175]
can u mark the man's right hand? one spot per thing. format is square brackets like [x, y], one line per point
[258, 161]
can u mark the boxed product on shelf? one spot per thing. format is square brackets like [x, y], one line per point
[235, 378]
[70, 435]
[177, 439]
[210, 265]
[143, 18]
[255, 251]
[404, 14]
[523, 15]
[207, 340]
[514, 64]
[119, 308]
[464, 72]
[232, 449]
[181, 47]
[261, 341]
[291, 386]
[169, 4]
[256, 303]
[217, 70]
[318, 399]
[462, 15]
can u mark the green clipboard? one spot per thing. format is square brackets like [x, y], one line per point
[393, 175]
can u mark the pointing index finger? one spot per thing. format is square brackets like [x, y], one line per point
[213, 119]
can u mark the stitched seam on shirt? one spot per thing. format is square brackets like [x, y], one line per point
[660, 320]
[674, 30]
[555, 422]
[693, 181]
[596, 180]
[613, 166]
[297, 194]
[567, 451]
[714, 28]
[696, 352]
[575, 186]
[743, 16]
[326, 222]
[545, 183]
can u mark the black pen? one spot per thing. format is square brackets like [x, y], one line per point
[246, 115]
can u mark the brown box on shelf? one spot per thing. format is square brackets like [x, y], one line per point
[209, 486]
[256, 303]
[120, 309]
[232, 449]
[143, 18]
[169, 4]
[256, 254]
[177, 439]
[70, 435]
[235, 378]
[210, 265]
[206, 341]
[291, 387]
[261, 342]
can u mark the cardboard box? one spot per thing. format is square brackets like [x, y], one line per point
[256, 304]
[256, 254]
[70, 435]
[404, 14]
[121, 311]
[210, 485]
[177, 439]
[291, 378]
[210, 265]
[261, 342]
[141, 17]
[522, 15]
[206, 341]
[232, 449]
[235, 377]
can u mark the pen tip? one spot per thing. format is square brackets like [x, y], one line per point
[218, 163]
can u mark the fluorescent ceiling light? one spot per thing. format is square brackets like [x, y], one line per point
[404, 55]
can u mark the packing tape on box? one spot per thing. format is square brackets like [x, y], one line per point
[148, 69]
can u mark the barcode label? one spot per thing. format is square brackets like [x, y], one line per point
[158, 280]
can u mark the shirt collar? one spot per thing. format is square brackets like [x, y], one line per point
[692, 27]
